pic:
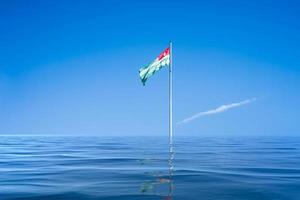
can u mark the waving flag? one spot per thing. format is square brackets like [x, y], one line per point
[162, 60]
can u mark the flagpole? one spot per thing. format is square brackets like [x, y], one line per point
[171, 153]
[171, 97]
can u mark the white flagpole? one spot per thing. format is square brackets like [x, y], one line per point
[171, 97]
[171, 153]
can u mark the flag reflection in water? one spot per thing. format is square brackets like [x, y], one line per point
[162, 183]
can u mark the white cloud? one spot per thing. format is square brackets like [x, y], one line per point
[217, 110]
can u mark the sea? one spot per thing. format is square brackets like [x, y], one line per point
[137, 168]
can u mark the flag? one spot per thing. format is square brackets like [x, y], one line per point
[162, 60]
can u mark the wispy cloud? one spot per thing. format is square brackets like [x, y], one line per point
[217, 110]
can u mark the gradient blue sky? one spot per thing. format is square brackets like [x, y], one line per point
[71, 67]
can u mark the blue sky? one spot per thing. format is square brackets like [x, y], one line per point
[71, 67]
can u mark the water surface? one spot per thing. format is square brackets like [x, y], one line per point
[80, 168]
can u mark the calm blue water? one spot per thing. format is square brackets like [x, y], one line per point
[137, 168]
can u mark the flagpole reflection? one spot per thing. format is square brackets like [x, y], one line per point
[171, 170]
[163, 184]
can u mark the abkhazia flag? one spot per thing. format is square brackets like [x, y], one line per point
[162, 60]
